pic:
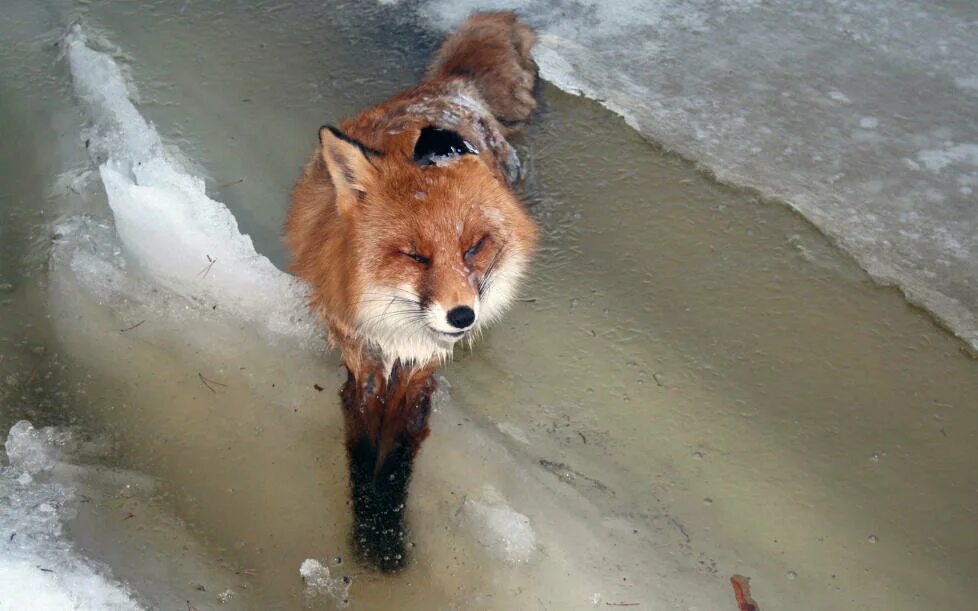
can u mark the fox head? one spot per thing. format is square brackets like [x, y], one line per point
[435, 241]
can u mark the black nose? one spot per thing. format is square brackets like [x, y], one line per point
[461, 317]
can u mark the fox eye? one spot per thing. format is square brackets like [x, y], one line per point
[476, 248]
[419, 258]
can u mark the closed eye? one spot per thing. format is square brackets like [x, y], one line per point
[476, 248]
[419, 258]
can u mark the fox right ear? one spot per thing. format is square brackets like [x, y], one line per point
[349, 165]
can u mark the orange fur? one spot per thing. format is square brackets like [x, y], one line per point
[339, 249]
[393, 245]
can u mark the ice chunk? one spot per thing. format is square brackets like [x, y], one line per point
[505, 532]
[185, 241]
[319, 581]
[33, 451]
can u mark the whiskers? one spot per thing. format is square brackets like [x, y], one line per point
[400, 309]
[490, 275]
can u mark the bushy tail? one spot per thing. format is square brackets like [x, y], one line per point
[492, 50]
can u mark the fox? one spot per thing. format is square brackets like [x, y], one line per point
[406, 226]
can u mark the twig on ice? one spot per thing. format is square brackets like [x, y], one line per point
[132, 327]
[203, 273]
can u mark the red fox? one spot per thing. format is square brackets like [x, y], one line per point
[405, 226]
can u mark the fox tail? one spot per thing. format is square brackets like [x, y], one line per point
[492, 51]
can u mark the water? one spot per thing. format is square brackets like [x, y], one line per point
[678, 341]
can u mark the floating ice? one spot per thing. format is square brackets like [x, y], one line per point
[185, 241]
[39, 568]
[505, 532]
[319, 581]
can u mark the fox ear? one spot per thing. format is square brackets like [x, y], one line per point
[349, 164]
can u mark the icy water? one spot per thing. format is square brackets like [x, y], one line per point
[695, 383]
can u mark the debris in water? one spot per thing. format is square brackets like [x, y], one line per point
[208, 383]
[318, 387]
[132, 327]
[225, 596]
[741, 587]
[570, 476]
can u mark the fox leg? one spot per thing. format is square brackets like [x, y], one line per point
[386, 420]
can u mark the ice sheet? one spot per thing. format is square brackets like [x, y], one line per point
[860, 114]
[39, 568]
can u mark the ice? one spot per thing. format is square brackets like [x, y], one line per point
[39, 568]
[505, 532]
[319, 581]
[860, 114]
[31, 450]
[185, 241]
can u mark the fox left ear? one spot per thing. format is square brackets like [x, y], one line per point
[349, 166]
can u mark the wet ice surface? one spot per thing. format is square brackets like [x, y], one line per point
[695, 384]
[39, 568]
[861, 114]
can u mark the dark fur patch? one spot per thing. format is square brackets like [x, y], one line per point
[434, 142]
[366, 150]
[379, 493]
[385, 425]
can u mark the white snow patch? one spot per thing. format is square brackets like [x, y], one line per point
[938, 159]
[967, 82]
[869, 123]
[840, 97]
[505, 532]
[39, 568]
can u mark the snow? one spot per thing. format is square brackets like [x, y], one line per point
[187, 242]
[860, 114]
[39, 568]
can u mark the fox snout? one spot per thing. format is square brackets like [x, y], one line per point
[455, 320]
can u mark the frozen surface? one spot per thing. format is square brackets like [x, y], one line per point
[505, 532]
[860, 114]
[189, 243]
[319, 581]
[39, 568]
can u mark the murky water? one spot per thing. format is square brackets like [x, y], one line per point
[695, 383]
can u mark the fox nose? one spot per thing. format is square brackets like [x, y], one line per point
[461, 317]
